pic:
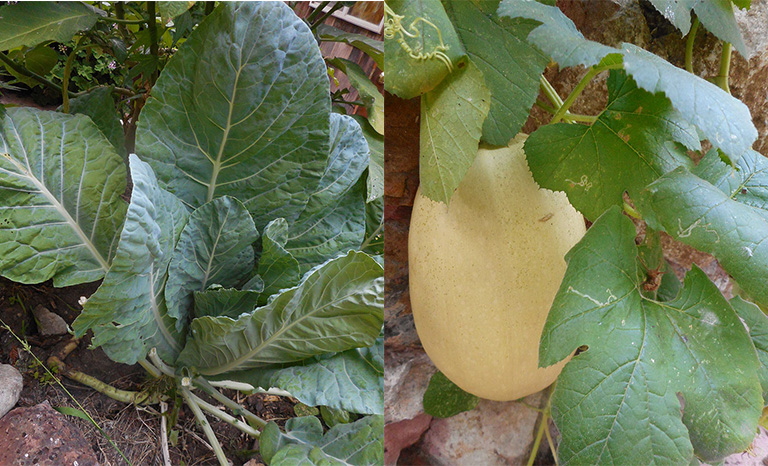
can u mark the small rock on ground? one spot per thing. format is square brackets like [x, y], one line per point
[11, 384]
[41, 436]
[49, 323]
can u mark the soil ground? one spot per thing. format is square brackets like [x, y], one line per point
[135, 430]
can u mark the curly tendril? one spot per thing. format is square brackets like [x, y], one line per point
[393, 29]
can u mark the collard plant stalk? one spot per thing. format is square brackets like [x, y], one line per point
[241, 260]
[669, 372]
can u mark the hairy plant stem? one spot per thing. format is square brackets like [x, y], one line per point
[543, 426]
[569, 115]
[120, 14]
[725, 67]
[205, 425]
[229, 403]
[231, 420]
[17, 67]
[124, 396]
[689, 45]
[107, 19]
[594, 71]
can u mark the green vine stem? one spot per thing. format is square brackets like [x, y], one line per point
[631, 211]
[312, 16]
[231, 420]
[30, 74]
[109, 19]
[593, 71]
[232, 405]
[120, 13]
[569, 115]
[153, 47]
[725, 67]
[550, 92]
[543, 426]
[327, 15]
[205, 425]
[689, 45]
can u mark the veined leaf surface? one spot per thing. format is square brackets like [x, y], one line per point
[304, 444]
[338, 306]
[633, 142]
[128, 314]
[620, 401]
[230, 115]
[214, 248]
[99, 105]
[277, 267]
[29, 23]
[60, 206]
[225, 302]
[333, 221]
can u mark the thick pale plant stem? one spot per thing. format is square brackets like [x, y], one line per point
[231, 420]
[159, 364]
[205, 425]
[234, 406]
[725, 68]
[689, 45]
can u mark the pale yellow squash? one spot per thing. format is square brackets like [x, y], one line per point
[484, 271]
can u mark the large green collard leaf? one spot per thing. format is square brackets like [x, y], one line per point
[632, 143]
[337, 306]
[421, 47]
[29, 23]
[60, 206]
[372, 47]
[278, 268]
[128, 314]
[376, 162]
[215, 247]
[723, 119]
[99, 106]
[304, 444]
[620, 401]
[334, 219]
[225, 302]
[557, 36]
[374, 228]
[510, 65]
[699, 214]
[351, 380]
[452, 118]
[241, 109]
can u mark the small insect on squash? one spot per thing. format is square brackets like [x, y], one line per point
[484, 271]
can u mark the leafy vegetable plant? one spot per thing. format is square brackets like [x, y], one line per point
[241, 260]
[668, 373]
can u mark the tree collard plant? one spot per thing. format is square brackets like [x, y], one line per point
[668, 373]
[238, 262]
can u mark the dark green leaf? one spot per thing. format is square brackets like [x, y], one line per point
[99, 105]
[333, 417]
[444, 398]
[757, 324]
[373, 48]
[423, 48]
[678, 12]
[376, 163]
[338, 306]
[699, 214]
[214, 248]
[225, 302]
[374, 227]
[621, 399]
[452, 117]
[60, 206]
[511, 67]
[241, 109]
[277, 267]
[29, 23]
[333, 220]
[304, 444]
[632, 143]
[127, 313]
